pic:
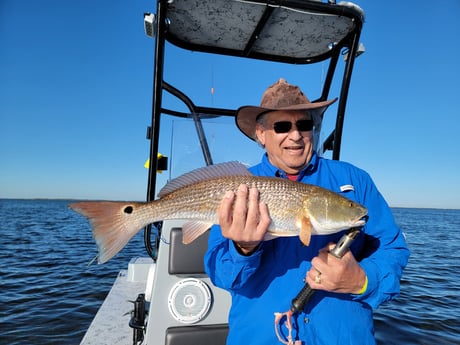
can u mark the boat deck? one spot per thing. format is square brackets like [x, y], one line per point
[111, 324]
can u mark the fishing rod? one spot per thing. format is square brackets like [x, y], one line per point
[300, 301]
[304, 295]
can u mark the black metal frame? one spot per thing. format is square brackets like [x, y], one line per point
[350, 43]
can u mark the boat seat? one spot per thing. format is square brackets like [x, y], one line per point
[186, 259]
[209, 335]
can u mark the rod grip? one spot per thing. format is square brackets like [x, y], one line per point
[304, 295]
[299, 302]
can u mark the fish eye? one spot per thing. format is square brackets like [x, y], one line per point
[128, 209]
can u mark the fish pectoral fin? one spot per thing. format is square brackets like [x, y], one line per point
[194, 229]
[305, 231]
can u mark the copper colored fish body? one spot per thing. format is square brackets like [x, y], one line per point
[296, 209]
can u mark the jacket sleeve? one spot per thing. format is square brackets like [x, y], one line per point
[384, 252]
[225, 267]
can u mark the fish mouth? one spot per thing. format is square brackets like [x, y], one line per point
[361, 221]
[319, 228]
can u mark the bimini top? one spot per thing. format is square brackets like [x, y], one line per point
[296, 31]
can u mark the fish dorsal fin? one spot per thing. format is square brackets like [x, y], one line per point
[203, 174]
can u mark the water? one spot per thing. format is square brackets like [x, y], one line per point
[428, 309]
[49, 295]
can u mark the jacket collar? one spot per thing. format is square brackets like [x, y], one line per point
[271, 170]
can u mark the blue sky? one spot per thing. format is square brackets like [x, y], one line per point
[76, 85]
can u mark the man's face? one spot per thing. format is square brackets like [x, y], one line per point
[290, 151]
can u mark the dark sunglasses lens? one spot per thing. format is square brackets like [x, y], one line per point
[282, 126]
[285, 126]
[304, 125]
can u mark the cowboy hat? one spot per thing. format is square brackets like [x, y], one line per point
[279, 96]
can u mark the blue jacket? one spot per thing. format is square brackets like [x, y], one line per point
[268, 280]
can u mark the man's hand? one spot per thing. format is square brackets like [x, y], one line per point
[329, 273]
[243, 218]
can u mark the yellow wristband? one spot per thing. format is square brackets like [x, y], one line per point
[363, 290]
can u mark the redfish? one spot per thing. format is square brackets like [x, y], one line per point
[296, 209]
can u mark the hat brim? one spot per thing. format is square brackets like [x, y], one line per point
[246, 116]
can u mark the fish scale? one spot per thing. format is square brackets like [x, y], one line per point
[201, 200]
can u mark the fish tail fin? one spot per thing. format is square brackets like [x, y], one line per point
[113, 224]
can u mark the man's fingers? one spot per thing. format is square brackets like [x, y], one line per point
[253, 209]
[241, 207]
[225, 210]
[264, 218]
[242, 217]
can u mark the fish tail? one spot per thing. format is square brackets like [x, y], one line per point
[113, 224]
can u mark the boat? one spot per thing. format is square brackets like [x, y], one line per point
[170, 298]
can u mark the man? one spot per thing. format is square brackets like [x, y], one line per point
[264, 276]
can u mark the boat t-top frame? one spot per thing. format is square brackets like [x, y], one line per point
[285, 31]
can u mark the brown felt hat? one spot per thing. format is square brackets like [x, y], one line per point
[279, 96]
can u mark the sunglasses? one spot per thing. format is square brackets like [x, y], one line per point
[285, 126]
